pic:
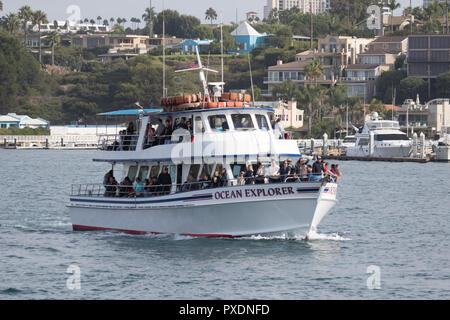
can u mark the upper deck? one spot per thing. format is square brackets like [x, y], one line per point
[198, 136]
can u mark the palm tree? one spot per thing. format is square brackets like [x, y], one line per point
[124, 20]
[39, 17]
[309, 96]
[138, 23]
[12, 23]
[149, 16]
[313, 70]
[105, 22]
[53, 39]
[112, 20]
[25, 15]
[99, 19]
[86, 20]
[133, 23]
[393, 5]
[92, 21]
[211, 15]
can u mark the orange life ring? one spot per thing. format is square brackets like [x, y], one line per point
[233, 96]
[230, 104]
[247, 98]
[239, 104]
[226, 96]
[211, 105]
[222, 104]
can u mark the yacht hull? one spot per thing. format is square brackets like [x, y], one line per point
[443, 153]
[222, 212]
[402, 151]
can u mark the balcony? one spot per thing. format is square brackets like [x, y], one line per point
[358, 79]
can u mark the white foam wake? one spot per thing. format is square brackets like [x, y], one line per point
[313, 235]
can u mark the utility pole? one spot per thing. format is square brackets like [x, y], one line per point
[311, 24]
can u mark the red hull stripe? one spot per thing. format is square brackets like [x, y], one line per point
[87, 228]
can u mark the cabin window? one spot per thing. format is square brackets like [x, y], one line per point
[143, 172]
[218, 123]
[218, 167]
[262, 122]
[194, 170]
[237, 168]
[173, 173]
[391, 137]
[154, 172]
[207, 170]
[132, 172]
[198, 125]
[242, 121]
[363, 142]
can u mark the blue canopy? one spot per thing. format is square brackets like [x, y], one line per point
[131, 112]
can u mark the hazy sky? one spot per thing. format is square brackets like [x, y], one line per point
[56, 9]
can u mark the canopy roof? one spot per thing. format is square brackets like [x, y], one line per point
[130, 112]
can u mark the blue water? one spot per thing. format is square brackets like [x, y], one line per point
[395, 216]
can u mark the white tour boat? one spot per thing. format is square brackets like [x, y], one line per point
[443, 146]
[216, 132]
[381, 139]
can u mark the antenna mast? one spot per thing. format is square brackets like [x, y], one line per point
[164, 53]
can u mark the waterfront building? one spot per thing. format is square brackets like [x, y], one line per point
[188, 46]
[390, 43]
[119, 42]
[247, 38]
[12, 120]
[361, 80]
[70, 27]
[291, 116]
[305, 6]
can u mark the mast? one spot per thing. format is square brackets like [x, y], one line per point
[221, 50]
[164, 53]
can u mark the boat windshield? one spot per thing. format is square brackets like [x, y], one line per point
[350, 140]
[390, 137]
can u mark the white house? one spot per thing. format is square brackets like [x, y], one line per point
[12, 120]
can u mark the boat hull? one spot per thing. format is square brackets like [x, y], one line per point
[443, 153]
[220, 213]
[402, 151]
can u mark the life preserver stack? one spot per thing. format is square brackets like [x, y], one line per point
[198, 101]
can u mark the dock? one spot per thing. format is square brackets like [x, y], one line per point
[347, 158]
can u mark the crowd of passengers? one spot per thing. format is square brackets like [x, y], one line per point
[164, 130]
[162, 185]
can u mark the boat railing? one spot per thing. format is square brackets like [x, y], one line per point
[131, 191]
[120, 142]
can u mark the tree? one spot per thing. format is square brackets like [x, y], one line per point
[313, 70]
[285, 91]
[12, 23]
[410, 87]
[211, 15]
[53, 39]
[149, 17]
[309, 96]
[112, 20]
[282, 38]
[25, 14]
[92, 21]
[99, 19]
[443, 85]
[105, 22]
[202, 32]
[177, 25]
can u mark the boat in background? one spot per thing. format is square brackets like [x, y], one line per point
[443, 146]
[388, 141]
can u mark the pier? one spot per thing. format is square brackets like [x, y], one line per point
[66, 142]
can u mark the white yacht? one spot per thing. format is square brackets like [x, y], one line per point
[348, 142]
[443, 147]
[216, 132]
[388, 140]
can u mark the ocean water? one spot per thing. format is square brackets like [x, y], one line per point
[392, 219]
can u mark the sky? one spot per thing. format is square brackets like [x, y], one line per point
[57, 9]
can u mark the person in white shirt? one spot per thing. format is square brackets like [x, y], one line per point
[279, 130]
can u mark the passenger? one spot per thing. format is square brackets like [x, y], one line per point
[160, 132]
[317, 170]
[165, 181]
[279, 130]
[285, 170]
[126, 187]
[182, 124]
[301, 170]
[189, 127]
[216, 179]
[109, 174]
[111, 187]
[259, 176]
[205, 181]
[138, 189]
[330, 176]
[129, 136]
[152, 189]
[147, 186]
[309, 169]
[168, 132]
[190, 185]
[273, 172]
[337, 172]
[241, 179]
[223, 178]
[249, 175]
